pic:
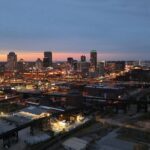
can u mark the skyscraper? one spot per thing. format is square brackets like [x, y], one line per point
[39, 64]
[47, 61]
[83, 58]
[11, 61]
[93, 59]
[70, 60]
[21, 65]
[83, 67]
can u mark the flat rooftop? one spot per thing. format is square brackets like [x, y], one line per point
[6, 126]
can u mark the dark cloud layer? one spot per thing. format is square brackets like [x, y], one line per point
[69, 25]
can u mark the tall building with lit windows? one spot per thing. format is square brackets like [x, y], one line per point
[11, 61]
[83, 58]
[47, 61]
[93, 59]
[39, 64]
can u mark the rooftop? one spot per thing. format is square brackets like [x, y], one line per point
[75, 143]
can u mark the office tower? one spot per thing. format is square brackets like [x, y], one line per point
[39, 64]
[21, 65]
[11, 61]
[70, 60]
[47, 61]
[75, 65]
[93, 59]
[83, 58]
[2, 67]
[101, 68]
[83, 67]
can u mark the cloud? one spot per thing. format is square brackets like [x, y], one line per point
[68, 25]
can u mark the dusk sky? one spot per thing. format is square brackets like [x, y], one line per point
[117, 29]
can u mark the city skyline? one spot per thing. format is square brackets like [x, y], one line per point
[74, 74]
[117, 30]
[62, 56]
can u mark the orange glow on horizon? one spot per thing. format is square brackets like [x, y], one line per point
[62, 56]
[32, 56]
